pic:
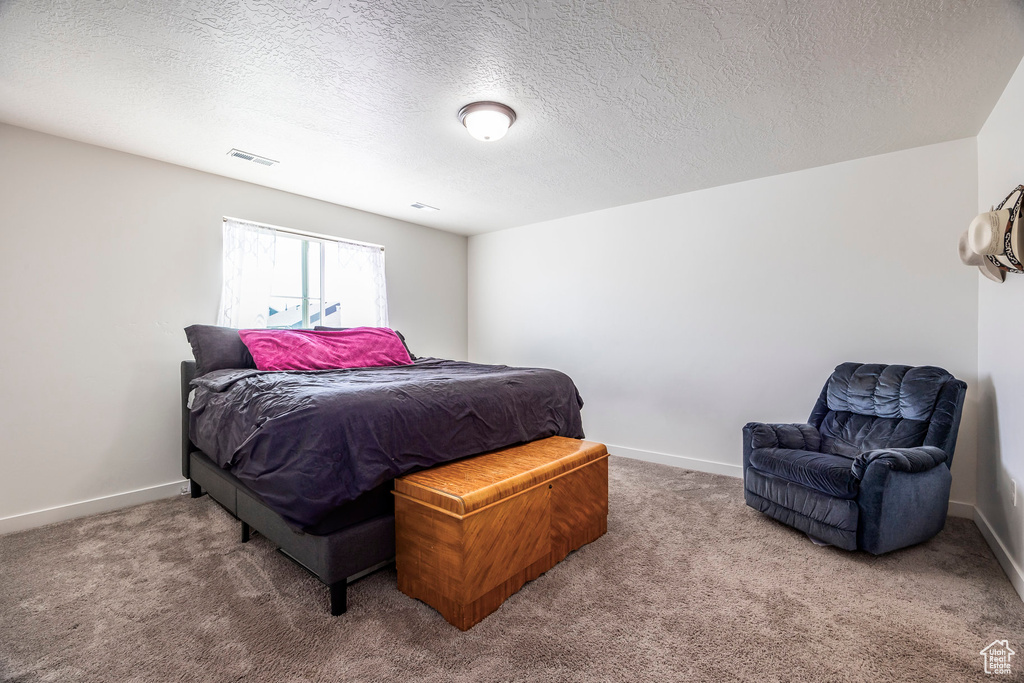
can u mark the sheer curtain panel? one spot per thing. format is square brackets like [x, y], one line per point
[354, 280]
[248, 274]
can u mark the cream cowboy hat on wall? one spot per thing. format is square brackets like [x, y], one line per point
[971, 258]
[988, 236]
[996, 238]
[968, 256]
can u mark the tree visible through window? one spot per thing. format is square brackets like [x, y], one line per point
[277, 277]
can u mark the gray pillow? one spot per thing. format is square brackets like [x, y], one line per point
[217, 348]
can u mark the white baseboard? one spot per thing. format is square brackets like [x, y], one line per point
[1010, 567]
[958, 509]
[60, 513]
[678, 461]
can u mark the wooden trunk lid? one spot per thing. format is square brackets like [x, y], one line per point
[464, 486]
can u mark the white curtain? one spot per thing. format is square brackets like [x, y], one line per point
[355, 291]
[249, 252]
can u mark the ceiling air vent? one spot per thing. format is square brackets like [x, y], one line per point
[255, 158]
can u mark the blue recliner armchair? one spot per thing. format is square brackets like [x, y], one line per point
[870, 470]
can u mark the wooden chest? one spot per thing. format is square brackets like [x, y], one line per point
[470, 533]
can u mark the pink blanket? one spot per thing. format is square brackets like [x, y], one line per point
[358, 347]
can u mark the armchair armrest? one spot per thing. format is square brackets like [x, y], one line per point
[903, 497]
[900, 459]
[801, 437]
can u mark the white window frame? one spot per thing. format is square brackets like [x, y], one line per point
[306, 237]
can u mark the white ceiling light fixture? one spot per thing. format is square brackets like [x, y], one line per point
[487, 121]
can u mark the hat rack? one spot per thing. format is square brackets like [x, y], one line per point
[994, 241]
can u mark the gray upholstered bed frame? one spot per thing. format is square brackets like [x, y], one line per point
[336, 558]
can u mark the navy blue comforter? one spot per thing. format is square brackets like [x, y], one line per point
[306, 442]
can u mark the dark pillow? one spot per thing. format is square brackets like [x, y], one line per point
[322, 328]
[217, 348]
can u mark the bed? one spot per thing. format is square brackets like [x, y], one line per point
[307, 459]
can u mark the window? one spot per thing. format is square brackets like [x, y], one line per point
[295, 299]
[277, 277]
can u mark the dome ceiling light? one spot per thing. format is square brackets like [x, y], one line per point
[487, 121]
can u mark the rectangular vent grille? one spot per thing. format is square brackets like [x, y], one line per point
[255, 158]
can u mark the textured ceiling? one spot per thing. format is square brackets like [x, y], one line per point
[618, 101]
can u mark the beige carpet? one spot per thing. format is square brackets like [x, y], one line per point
[688, 584]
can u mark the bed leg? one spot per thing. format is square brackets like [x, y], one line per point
[339, 597]
[245, 532]
[195, 489]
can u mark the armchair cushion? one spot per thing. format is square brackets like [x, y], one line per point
[802, 437]
[830, 474]
[888, 391]
[900, 459]
[851, 434]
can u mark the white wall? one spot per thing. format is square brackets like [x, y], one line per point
[682, 318]
[105, 258]
[1000, 344]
